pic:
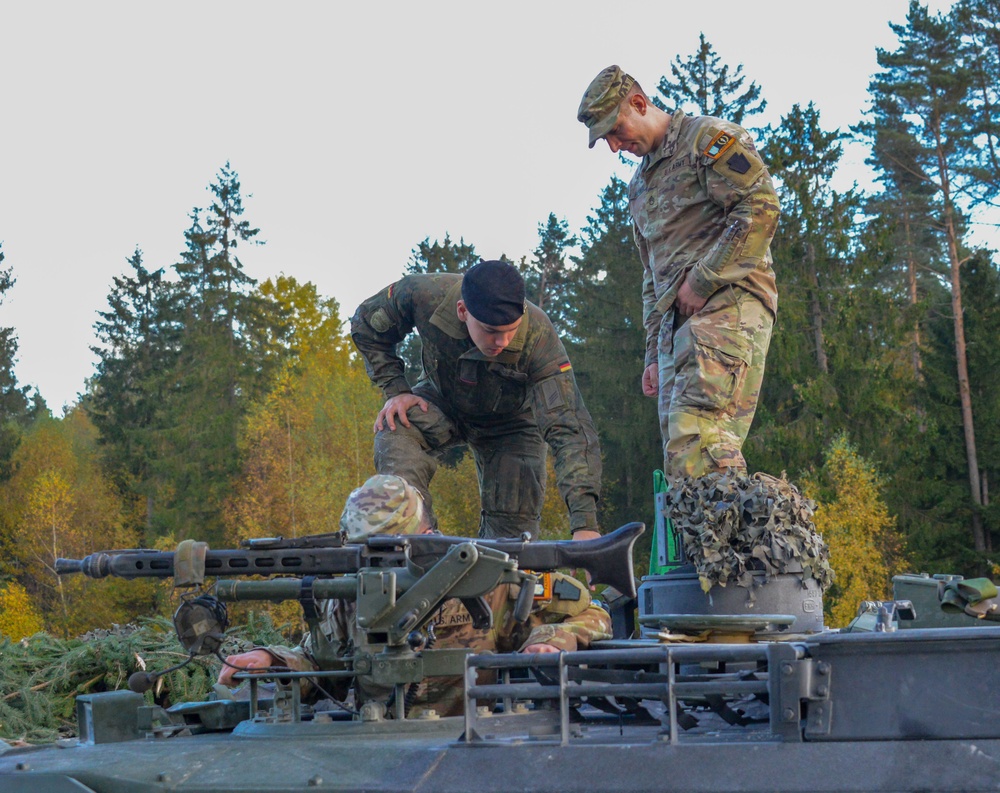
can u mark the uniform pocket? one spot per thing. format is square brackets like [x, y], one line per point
[711, 366]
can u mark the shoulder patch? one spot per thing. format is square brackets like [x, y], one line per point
[569, 596]
[719, 144]
[739, 165]
[379, 320]
[552, 394]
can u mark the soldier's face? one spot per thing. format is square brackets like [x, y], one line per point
[490, 339]
[632, 131]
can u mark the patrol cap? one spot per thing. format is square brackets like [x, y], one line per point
[601, 101]
[493, 292]
[385, 504]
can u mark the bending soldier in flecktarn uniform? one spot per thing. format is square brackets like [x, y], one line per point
[495, 376]
[565, 619]
[704, 211]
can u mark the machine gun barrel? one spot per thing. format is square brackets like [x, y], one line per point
[142, 563]
[608, 559]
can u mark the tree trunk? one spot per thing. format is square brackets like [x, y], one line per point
[911, 278]
[815, 310]
[964, 391]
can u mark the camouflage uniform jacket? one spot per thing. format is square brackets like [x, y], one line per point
[703, 208]
[569, 620]
[533, 375]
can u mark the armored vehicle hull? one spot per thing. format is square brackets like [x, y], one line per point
[872, 711]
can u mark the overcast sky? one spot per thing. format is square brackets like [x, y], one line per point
[357, 130]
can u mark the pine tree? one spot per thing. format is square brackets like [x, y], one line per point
[702, 83]
[549, 280]
[977, 24]
[17, 406]
[608, 349]
[921, 108]
[213, 374]
[441, 257]
[139, 338]
[809, 370]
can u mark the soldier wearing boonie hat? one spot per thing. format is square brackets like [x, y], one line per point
[704, 211]
[495, 377]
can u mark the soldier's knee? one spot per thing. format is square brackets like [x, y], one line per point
[497, 525]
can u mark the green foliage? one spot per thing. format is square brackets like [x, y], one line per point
[441, 257]
[608, 354]
[180, 362]
[550, 281]
[42, 675]
[17, 407]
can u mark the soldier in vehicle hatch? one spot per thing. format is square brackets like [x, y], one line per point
[496, 377]
[563, 618]
[704, 211]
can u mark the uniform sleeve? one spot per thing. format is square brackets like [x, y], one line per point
[300, 659]
[737, 180]
[570, 621]
[377, 327]
[567, 427]
[651, 316]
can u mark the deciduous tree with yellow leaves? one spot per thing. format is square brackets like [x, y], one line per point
[865, 547]
[58, 503]
[309, 442]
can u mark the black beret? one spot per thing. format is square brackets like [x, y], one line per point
[494, 293]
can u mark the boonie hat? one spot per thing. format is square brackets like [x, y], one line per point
[600, 103]
[385, 504]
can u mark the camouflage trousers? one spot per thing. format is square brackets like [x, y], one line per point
[711, 367]
[510, 464]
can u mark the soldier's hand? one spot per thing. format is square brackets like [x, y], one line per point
[540, 648]
[688, 302]
[395, 408]
[253, 659]
[651, 380]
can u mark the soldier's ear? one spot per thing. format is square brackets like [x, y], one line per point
[462, 311]
[639, 103]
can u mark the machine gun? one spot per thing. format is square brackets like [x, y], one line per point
[398, 582]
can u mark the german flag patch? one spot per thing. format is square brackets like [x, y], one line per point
[722, 141]
[565, 366]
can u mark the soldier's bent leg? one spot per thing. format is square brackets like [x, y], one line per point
[719, 357]
[511, 470]
[412, 452]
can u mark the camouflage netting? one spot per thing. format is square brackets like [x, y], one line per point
[40, 676]
[733, 524]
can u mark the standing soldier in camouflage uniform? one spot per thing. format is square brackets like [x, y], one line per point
[567, 620]
[495, 376]
[703, 212]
